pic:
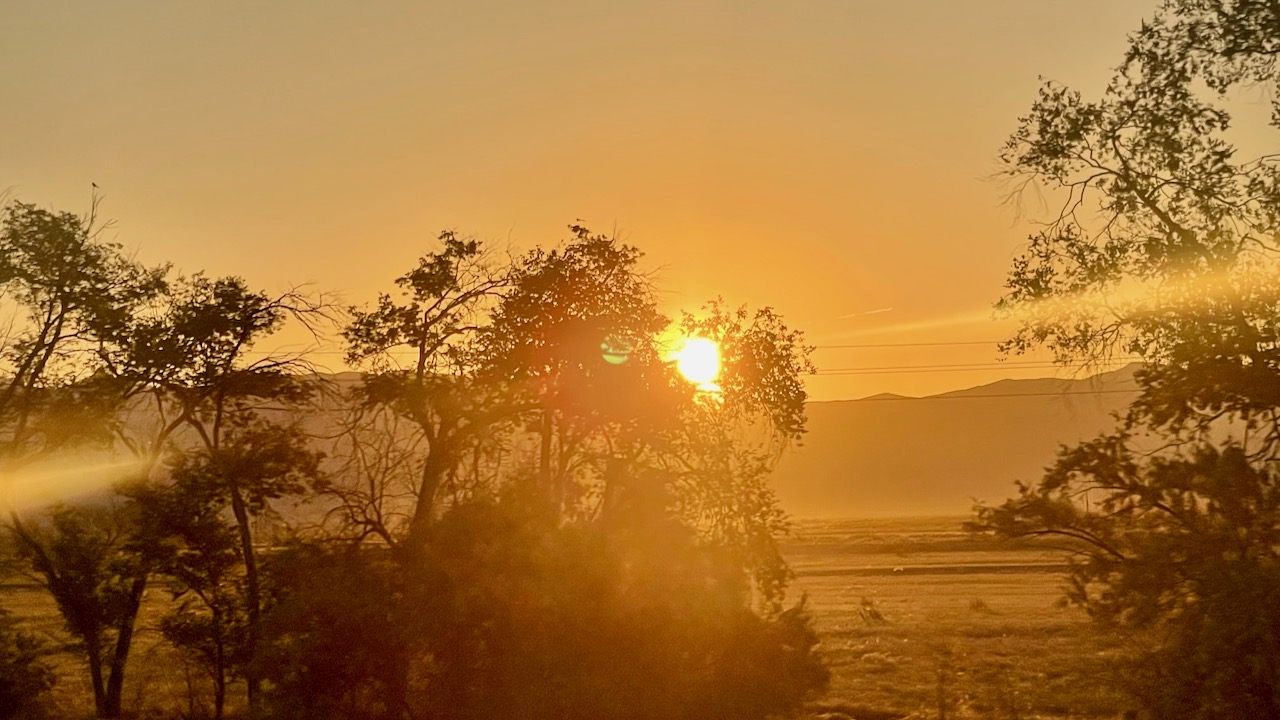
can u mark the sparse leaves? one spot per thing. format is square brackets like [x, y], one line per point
[1165, 247]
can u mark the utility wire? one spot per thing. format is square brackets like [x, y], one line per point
[914, 372]
[987, 395]
[852, 346]
[910, 344]
[987, 363]
[965, 367]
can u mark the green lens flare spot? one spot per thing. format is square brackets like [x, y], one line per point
[616, 351]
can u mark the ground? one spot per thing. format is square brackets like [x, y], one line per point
[159, 679]
[917, 620]
[915, 616]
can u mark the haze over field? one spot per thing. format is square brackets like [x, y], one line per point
[885, 455]
[890, 455]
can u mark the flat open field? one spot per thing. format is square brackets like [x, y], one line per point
[159, 680]
[913, 615]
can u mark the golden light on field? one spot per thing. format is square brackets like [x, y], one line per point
[698, 360]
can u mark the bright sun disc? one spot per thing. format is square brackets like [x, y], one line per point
[699, 360]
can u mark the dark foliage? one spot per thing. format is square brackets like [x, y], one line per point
[635, 574]
[24, 677]
[86, 560]
[340, 635]
[1165, 248]
[1180, 552]
[510, 614]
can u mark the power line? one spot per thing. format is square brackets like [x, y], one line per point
[851, 346]
[911, 344]
[915, 372]
[930, 368]
[984, 364]
[989, 395]
[908, 371]
[961, 367]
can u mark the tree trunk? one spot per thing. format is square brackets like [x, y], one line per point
[544, 454]
[219, 693]
[120, 655]
[220, 664]
[252, 597]
[93, 649]
[434, 468]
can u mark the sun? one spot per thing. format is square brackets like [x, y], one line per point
[698, 360]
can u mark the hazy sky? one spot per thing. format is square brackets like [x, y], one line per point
[828, 158]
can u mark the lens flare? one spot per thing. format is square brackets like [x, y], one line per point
[78, 479]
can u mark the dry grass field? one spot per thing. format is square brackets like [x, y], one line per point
[160, 682]
[914, 617]
[917, 618]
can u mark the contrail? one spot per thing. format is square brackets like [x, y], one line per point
[967, 318]
[877, 311]
[1127, 299]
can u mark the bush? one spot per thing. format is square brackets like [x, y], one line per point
[337, 635]
[1221, 658]
[508, 613]
[24, 679]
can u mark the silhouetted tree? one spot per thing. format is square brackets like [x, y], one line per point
[85, 556]
[566, 308]
[564, 347]
[63, 290]
[192, 354]
[94, 335]
[432, 323]
[67, 291]
[189, 539]
[1165, 248]
[579, 335]
[512, 613]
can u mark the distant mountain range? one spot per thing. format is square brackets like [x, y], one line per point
[884, 455]
[890, 455]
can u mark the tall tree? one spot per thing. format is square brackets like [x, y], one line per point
[566, 348]
[437, 403]
[1166, 247]
[85, 557]
[581, 335]
[63, 289]
[567, 309]
[189, 539]
[194, 354]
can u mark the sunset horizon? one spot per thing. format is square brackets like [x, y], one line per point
[616, 360]
[740, 149]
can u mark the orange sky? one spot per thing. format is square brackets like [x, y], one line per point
[828, 158]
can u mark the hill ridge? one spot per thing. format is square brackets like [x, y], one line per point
[870, 457]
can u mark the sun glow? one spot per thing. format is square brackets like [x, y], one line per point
[698, 360]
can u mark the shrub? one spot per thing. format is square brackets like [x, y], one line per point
[508, 613]
[24, 679]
